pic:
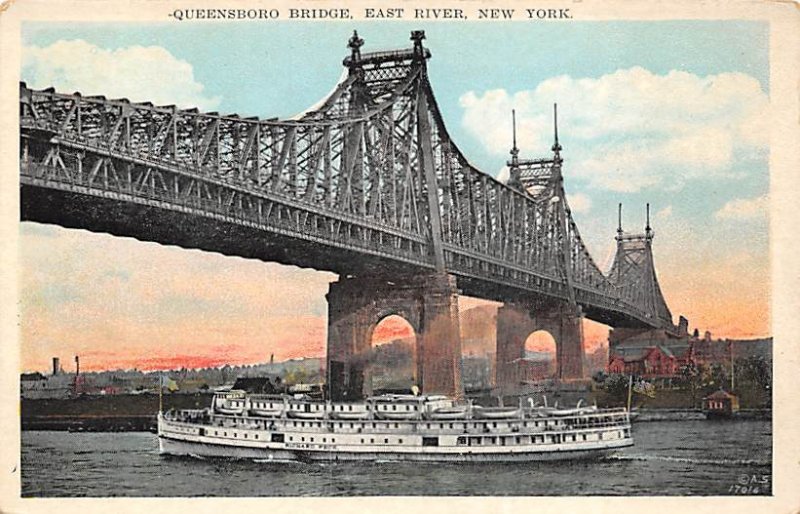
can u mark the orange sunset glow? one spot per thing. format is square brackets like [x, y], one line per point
[121, 304]
[686, 134]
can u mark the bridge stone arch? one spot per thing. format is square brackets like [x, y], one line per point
[407, 312]
[541, 342]
[373, 363]
[429, 303]
[377, 311]
[516, 322]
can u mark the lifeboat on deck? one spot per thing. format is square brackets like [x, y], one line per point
[573, 412]
[453, 412]
[226, 408]
[496, 412]
[266, 413]
[399, 415]
[231, 404]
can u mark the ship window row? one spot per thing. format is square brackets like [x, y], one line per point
[235, 434]
[431, 426]
[311, 439]
[342, 408]
[372, 440]
[385, 440]
[305, 407]
[264, 405]
[591, 420]
[520, 439]
[394, 407]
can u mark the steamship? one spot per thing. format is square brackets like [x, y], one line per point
[285, 428]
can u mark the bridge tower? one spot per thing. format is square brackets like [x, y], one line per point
[430, 305]
[634, 269]
[542, 180]
[428, 301]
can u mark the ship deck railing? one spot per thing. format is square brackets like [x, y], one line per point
[528, 416]
[320, 425]
[465, 431]
[590, 418]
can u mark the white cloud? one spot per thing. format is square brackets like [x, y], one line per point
[744, 208]
[664, 213]
[504, 174]
[631, 129]
[138, 73]
[579, 202]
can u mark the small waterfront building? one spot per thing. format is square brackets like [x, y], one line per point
[720, 404]
[616, 364]
[649, 362]
[259, 385]
[37, 386]
[32, 381]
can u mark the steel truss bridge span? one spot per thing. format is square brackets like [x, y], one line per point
[369, 179]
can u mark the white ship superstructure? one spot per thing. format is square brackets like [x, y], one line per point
[389, 427]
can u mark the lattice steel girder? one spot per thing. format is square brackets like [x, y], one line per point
[172, 188]
[283, 156]
[372, 167]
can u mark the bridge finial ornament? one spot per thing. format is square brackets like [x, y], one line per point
[514, 150]
[515, 174]
[556, 146]
[354, 44]
[417, 36]
[619, 224]
[648, 231]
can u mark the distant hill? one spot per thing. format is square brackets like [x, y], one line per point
[539, 356]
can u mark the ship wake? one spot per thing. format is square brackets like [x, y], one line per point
[689, 460]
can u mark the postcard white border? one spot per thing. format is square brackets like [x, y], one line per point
[784, 20]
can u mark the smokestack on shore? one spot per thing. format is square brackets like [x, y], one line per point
[77, 374]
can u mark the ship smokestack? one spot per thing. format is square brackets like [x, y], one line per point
[56, 366]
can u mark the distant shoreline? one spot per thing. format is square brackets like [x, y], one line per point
[119, 423]
[137, 413]
[110, 413]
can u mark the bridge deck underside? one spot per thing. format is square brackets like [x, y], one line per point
[187, 230]
[156, 222]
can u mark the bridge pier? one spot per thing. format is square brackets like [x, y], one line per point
[516, 322]
[429, 303]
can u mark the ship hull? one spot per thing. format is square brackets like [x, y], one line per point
[175, 447]
[396, 429]
[168, 446]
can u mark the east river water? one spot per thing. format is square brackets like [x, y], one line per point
[669, 458]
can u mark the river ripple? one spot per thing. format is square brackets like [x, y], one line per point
[669, 458]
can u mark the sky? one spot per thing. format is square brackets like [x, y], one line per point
[671, 113]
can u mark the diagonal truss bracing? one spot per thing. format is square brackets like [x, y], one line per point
[371, 168]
